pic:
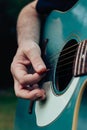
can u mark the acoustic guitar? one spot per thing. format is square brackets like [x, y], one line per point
[64, 49]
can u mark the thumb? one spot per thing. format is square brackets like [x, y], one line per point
[34, 55]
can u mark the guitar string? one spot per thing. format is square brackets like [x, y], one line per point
[64, 59]
[76, 44]
[56, 54]
[61, 66]
[63, 50]
[62, 71]
[69, 68]
[63, 75]
[58, 67]
[63, 55]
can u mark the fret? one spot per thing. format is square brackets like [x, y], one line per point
[80, 64]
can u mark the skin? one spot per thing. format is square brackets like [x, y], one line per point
[28, 54]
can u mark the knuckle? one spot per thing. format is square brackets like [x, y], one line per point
[38, 91]
[21, 81]
[11, 67]
[32, 48]
[17, 94]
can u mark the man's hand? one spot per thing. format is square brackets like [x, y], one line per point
[26, 80]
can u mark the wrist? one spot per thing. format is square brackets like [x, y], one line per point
[27, 42]
[29, 45]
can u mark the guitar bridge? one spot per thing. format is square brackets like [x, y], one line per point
[80, 64]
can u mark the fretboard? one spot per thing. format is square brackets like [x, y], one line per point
[80, 64]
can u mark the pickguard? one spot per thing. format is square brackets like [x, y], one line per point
[49, 110]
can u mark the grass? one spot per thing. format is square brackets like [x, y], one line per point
[8, 103]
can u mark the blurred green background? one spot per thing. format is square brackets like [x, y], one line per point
[9, 10]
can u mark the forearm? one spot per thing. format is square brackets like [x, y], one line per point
[28, 53]
[28, 25]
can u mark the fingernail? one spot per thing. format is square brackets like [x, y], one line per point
[41, 69]
[38, 95]
[41, 97]
[44, 97]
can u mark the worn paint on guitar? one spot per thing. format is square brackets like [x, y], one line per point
[65, 107]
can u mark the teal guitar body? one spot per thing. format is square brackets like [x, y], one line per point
[64, 49]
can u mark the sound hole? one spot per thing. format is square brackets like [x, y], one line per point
[64, 70]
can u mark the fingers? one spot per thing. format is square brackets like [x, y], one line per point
[24, 57]
[22, 77]
[31, 78]
[33, 94]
